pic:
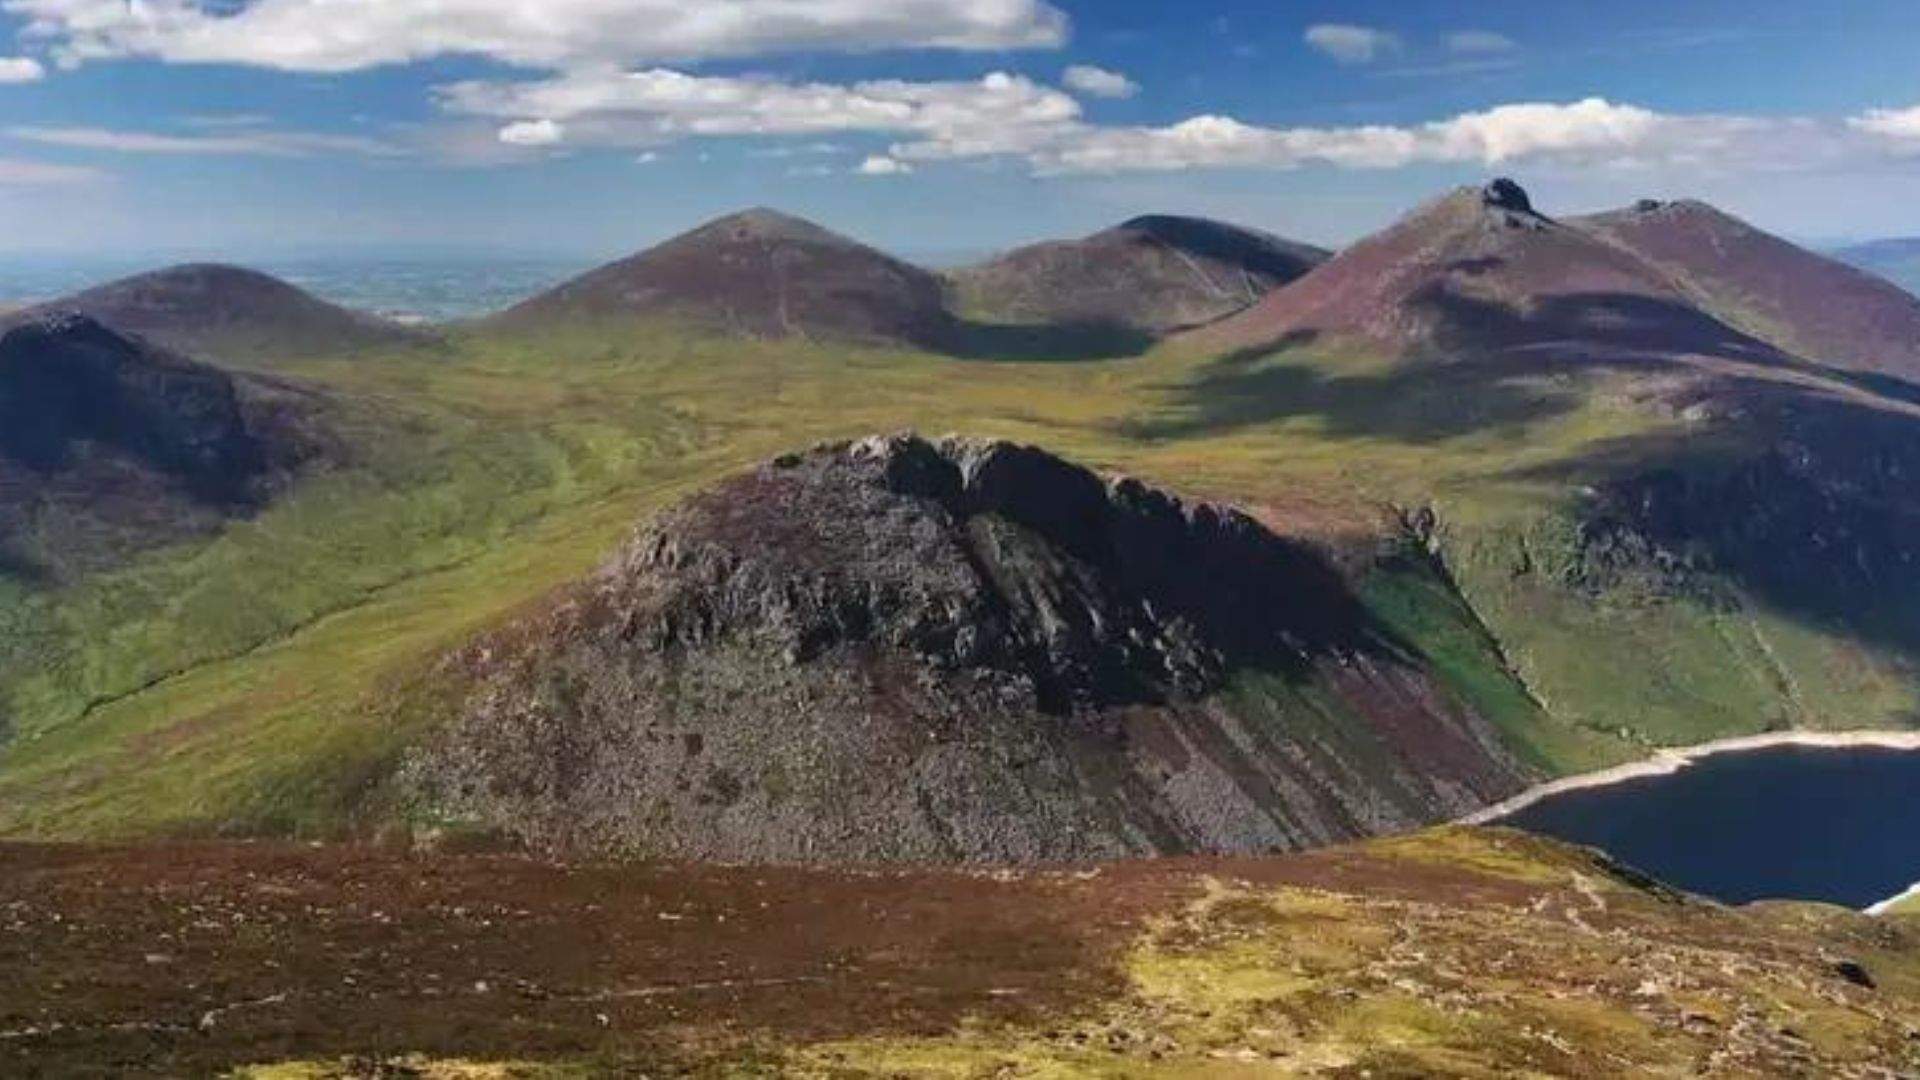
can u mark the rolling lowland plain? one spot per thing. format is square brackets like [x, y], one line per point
[1608, 497]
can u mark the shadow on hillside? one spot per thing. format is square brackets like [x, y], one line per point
[1064, 342]
[1803, 500]
[1610, 326]
[18, 568]
[1489, 366]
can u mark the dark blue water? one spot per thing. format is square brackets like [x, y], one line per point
[1837, 825]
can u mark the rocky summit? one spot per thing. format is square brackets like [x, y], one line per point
[962, 650]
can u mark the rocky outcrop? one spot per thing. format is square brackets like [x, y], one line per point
[1505, 194]
[956, 651]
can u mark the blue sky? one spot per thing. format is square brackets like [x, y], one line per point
[590, 127]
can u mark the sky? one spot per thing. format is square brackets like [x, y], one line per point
[230, 128]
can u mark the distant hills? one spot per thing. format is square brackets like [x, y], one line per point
[229, 313]
[759, 273]
[1896, 260]
[765, 274]
[1158, 274]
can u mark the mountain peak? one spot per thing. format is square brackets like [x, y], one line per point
[766, 225]
[1151, 274]
[758, 273]
[229, 312]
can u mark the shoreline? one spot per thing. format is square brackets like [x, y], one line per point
[1666, 762]
[1885, 906]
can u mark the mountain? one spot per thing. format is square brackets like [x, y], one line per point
[229, 313]
[759, 273]
[1896, 260]
[109, 444]
[1814, 307]
[1480, 272]
[1156, 274]
[956, 651]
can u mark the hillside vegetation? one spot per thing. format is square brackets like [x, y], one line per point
[1602, 550]
[1452, 953]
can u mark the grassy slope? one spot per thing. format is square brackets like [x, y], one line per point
[241, 683]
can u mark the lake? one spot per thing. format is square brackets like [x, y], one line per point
[1840, 825]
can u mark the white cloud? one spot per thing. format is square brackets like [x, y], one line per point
[1352, 44]
[651, 157]
[346, 35]
[1480, 43]
[882, 165]
[606, 107]
[1589, 133]
[257, 143]
[533, 133]
[17, 173]
[21, 69]
[1007, 116]
[1099, 82]
[1898, 124]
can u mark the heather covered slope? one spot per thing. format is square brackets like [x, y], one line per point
[761, 274]
[110, 445]
[1451, 953]
[972, 651]
[1156, 274]
[1481, 273]
[1817, 308]
[231, 314]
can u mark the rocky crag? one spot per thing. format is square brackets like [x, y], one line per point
[952, 651]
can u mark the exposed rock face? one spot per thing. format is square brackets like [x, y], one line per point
[760, 274]
[145, 445]
[1156, 274]
[963, 651]
[229, 312]
[1505, 194]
